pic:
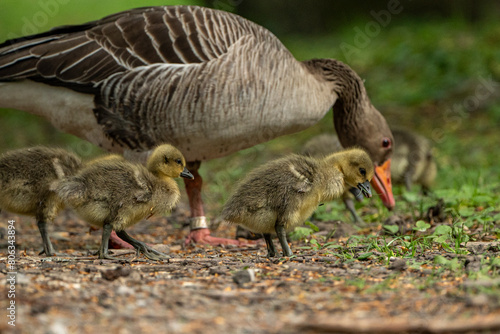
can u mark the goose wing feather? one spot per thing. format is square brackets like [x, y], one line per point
[81, 56]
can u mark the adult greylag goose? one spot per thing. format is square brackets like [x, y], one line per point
[25, 179]
[115, 194]
[207, 81]
[278, 196]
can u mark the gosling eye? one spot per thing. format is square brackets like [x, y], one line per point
[386, 142]
[362, 171]
[179, 162]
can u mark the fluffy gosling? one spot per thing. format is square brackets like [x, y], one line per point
[115, 194]
[25, 179]
[282, 194]
[413, 162]
[322, 145]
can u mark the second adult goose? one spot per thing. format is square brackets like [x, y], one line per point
[207, 81]
[115, 194]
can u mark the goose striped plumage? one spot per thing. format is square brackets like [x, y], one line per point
[207, 81]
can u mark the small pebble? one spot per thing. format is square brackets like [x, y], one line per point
[398, 264]
[244, 276]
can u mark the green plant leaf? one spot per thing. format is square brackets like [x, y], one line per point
[439, 259]
[442, 230]
[410, 197]
[421, 226]
[365, 256]
[392, 228]
[332, 245]
[312, 226]
[466, 211]
[314, 242]
[441, 240]
[300, 233]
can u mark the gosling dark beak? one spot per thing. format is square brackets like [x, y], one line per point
[187, 174]
[357, 193]
[364, 188]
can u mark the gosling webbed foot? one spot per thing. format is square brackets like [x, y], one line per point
[150, 252]
[105, 256]
[143, 248]
[49, 253]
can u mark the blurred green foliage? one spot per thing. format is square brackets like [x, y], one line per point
[22, 17]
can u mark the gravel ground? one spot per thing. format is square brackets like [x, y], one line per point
[238, 289]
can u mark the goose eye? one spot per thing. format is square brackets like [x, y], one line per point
[179, 161]
[386, 143]
[362, 171]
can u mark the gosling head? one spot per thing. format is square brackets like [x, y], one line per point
[168, 161]
[358, 171]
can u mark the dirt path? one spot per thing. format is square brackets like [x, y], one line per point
[238, 290]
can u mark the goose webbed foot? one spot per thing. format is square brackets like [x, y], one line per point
[116, 243]
[143, 248]
[48, 249]
[202, 236]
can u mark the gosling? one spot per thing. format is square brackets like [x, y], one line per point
[115, 194]
[283, 193]
[25, 179]
[413, 162]
[323, 145]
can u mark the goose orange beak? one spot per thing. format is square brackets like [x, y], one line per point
[382, 184]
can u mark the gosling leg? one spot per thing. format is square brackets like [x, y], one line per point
[408, 181]
[47, 245]
[271, 250]
[103, 250]
[141, 247]
[349, 204]
[280, 231]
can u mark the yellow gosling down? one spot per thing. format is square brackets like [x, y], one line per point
[115, 194]
[283, 193]
[323, 145]
[25, 179]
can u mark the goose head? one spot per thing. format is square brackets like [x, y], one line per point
[358, 122]
[358, 171]
[167, 161]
